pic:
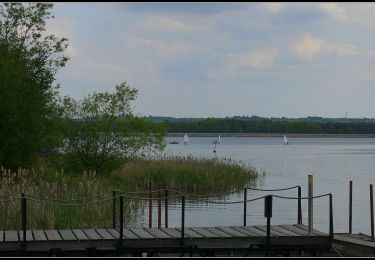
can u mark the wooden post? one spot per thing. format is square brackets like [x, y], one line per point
[299, 221]
[23, 212]
[268, 215]
[330, 217]
[114, 209]
[121, 217]
[244, 205]
[150, 205]
[372, 212]
[310, 203]
[166, 208]
[183, 221]
[159, 207]
[350, 206]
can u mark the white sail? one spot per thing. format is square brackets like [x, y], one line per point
[285, 140]
[219, 138]
[186, 139]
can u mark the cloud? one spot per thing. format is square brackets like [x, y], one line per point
[258, 59]
[173, 49]
[168, 24]
[306, 47]
[371, 54]
[334, 11]
[273, 7]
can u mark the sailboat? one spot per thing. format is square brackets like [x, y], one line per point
[219, 138]
[285, 140]
[186, 139]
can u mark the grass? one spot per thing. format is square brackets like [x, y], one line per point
[192, 175]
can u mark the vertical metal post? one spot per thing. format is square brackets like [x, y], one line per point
[183, 221]
[150, 205]
[350, 206]
[299, 206]
[121, 217]
[23, 212]
[310, 204]
[159, 207]
[244, 205]
[114, 209]
[166, 208]
[330, 217]
[372, 212]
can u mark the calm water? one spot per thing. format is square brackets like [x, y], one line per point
[332, 161]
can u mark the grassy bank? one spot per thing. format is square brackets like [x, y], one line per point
[57, 197]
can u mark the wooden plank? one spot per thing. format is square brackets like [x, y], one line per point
[11, 236]
[232, 232]
[128, 234]
[1, 235]
[158, 233]
[255, 230]
[114, 233]
[39, 235]
[190, 233]
[248, 232]
[67, 234]
[296, 230]
[172, 232]
[29, 235]
[53, 235]
[204, 232]
[91, 234]
[304, 227]
[80, 234]
[104, 234]
[344, 238]
[141, 233]
[217, 232]
[273, 232]
[285, 231]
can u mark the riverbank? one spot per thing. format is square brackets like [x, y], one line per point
[272, 135]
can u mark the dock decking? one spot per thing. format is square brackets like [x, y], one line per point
[230, 238]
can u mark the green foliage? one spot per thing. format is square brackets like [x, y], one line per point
[28, 64]
[104, 132]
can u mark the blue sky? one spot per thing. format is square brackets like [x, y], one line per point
[224, 59]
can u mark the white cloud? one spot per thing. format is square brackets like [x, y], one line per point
[166, 49]
[273, 7]
[165, 23]
[258, 59]
[306, 47]
[371, 54]
[341, 49]
[334, 11]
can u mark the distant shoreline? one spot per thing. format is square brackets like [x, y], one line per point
[271, 135]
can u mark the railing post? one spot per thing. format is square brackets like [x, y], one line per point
[114, 209]
[310, 204]
[350, 206]
[23, 212]
[159, 207]
[299, 206]
[330, 217]
[372, 212]
[183, 221]
[166, 207]
[121, 217]
[268, 215]
[244, 205]
[150, 206]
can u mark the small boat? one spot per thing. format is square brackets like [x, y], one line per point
[173, 142]
[186, 139]
[216, 141]
[219, 138]
[285, 140]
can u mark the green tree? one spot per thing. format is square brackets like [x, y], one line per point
[104, 131]
[29, 60]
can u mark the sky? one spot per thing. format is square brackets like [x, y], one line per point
[223, 59]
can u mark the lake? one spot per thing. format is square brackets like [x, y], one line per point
[332, 161]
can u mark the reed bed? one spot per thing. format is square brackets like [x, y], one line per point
[188, 174]
[57, 201]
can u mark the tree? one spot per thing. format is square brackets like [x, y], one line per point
[104, 131]
[29, 60]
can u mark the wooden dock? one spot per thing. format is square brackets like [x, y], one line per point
[354, 245]
[197, 241]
